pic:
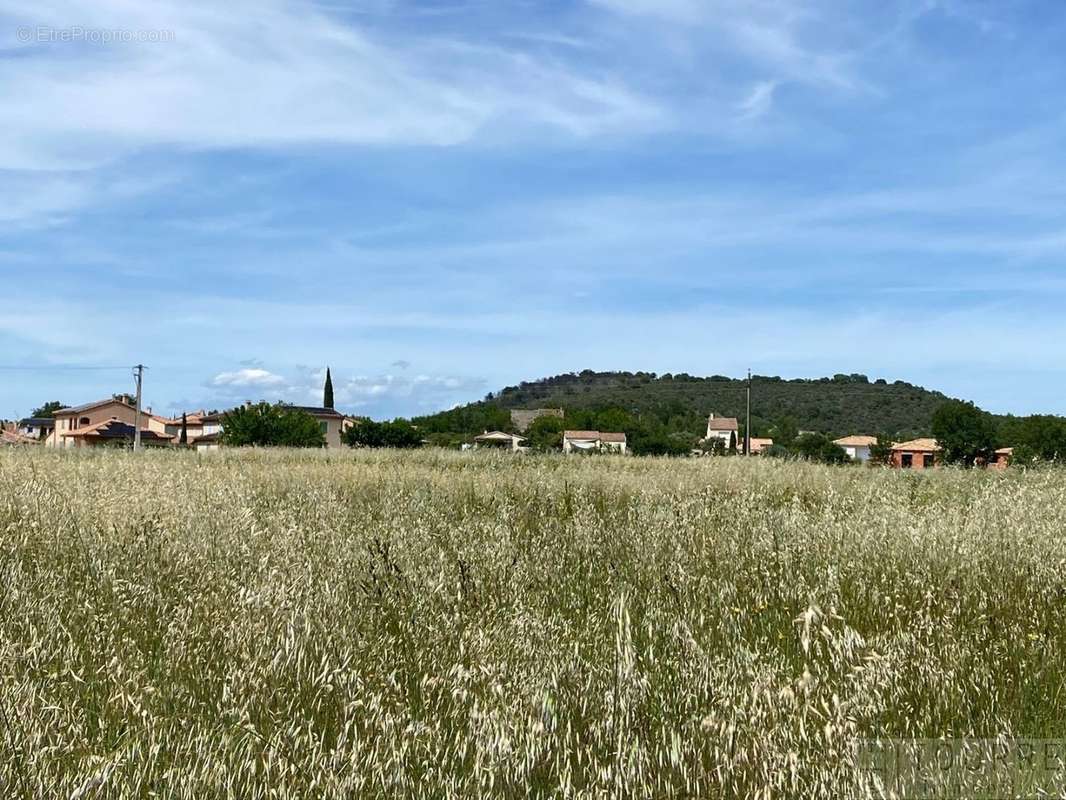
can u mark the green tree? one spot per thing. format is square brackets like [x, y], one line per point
[1040, 437]
[466, 420]
[818, 447]
[399, 434]
[881, 450]
[784, 431]
[49, 409]
[647, 438]
[964, 432]
[183, 438]
[266, 425]
[546, 433]
[327, 391]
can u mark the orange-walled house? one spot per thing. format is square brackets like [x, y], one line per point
[916, 454]
[1001, 458]
[72, 423]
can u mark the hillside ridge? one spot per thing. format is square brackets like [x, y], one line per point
[839, 405]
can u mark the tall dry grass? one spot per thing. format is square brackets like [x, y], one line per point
[283, 625]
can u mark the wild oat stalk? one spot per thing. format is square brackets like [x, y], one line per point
[285, 625]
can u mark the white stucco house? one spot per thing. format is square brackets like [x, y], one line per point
[594, 442]
[499, 440]
[857, 447]
[723, 428]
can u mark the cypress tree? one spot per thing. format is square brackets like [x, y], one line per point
[184, 438]
[327, 392]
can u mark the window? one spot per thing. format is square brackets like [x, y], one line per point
[907, 460]
[927, 460]
[324, 427]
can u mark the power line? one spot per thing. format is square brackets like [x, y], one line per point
[64, 367]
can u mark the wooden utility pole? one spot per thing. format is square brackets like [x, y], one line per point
[747, 421]
[138, 374]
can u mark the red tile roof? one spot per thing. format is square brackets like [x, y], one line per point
[74, 411]
[918, 446]
[721, 423]
[11, 437]
[497, 436]
[856, 441]
[601, 436]
[581, 434]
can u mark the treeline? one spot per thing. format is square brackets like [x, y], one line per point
[666, 415]
[1037, 437]
[662, 431]
[837, 405]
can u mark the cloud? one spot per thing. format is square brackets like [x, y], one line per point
[383, 395]
[681, 11]
[758, 101]
[247, 377]
[804, 43]
[316, 78]
[417, 394]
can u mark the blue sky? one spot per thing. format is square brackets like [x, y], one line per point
[438, 199]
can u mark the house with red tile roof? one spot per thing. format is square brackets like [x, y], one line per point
[115, 432]
[857, 447]
[724, 429]
[499, 440]
[916, 454]
[69, 420]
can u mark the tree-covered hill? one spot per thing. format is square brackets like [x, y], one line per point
[679, 404]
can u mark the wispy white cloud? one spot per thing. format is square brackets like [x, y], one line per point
[273, 73]
[758, 101]
[383, 394]
[427, 391]
[39, 200]
[682, 11]
[795, 42]
[247, 377]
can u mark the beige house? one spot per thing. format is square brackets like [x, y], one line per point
[116, 433]
[202, 430]
[71, 420]
[332, 423]
[760, 444]
[198, 424]
[208, 434]
[499, 440]
[594, 442]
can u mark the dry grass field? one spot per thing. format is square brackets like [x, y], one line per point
[286, 625]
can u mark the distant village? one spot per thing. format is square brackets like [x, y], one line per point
[116, 422]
